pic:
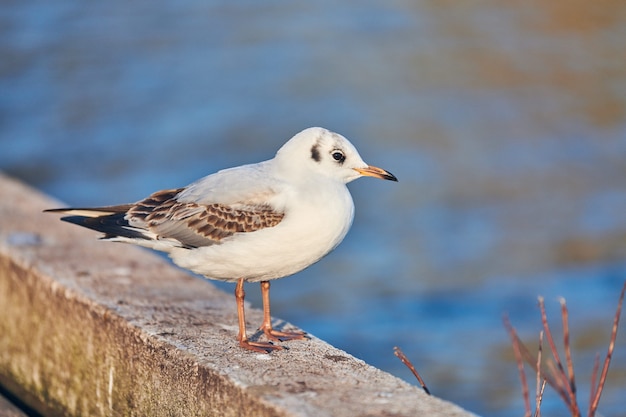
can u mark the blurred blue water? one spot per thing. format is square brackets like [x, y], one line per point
[505, 123]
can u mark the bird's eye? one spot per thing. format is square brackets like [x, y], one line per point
[338, 156]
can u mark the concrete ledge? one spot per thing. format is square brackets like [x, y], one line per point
[90, 328]
[7, 409]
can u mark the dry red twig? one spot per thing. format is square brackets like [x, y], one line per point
[540, 386]
[609, 354]
[539, 399]
[530, 360]
[398, 352]
[566, 344]
[556, 383]
[564, 383]
[594, 377]
[517, 350]
[559, 374]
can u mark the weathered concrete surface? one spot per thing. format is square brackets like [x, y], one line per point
[90, 328]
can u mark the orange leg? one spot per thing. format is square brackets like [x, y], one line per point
[272, 334]
[263, 347]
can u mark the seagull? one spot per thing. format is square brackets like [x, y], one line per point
[251, 223]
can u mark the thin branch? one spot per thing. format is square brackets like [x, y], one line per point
[528, 357]
[398, 352]
[539, 399]
[609, 354]
[520, 364]
[557, 383]
[539, 388]
[548, 376]
[594, 377]
[563, 383]
[573, 405]
[567, 346]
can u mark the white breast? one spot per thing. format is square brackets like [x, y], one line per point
[316, 220]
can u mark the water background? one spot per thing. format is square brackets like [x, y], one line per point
[505, 123]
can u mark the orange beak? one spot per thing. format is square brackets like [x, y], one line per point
[376, 172]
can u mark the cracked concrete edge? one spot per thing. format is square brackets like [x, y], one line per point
[96, 328]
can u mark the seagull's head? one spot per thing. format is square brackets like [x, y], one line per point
[320, 152]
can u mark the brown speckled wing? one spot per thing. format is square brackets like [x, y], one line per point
[195, 225]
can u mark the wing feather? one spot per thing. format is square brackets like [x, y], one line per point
[204, 213]
[161, 216]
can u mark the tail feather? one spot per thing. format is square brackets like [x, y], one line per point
[112, 226]
[92, 212]
[109, 220]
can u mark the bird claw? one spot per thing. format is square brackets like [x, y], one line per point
[261, 347]
[278, 336]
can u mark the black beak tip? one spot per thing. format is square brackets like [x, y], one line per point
[391, 177]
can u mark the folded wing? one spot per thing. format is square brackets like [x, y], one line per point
[164, 218]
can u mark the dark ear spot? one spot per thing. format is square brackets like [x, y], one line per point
[315, 153]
